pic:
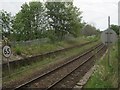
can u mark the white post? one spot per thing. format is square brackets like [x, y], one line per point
[8, 64]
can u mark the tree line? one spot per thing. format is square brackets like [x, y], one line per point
[37, 20]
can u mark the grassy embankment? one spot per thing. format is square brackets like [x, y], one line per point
[33, 49]
[22, 72]
[119, 62]
[105, 76]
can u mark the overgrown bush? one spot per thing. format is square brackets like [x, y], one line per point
[18, 51]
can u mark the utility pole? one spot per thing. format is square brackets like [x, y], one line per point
[108, 40]
[108, 22]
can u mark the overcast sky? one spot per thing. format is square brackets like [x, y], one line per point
[95, 12]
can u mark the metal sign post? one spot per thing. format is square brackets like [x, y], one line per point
[7, 53]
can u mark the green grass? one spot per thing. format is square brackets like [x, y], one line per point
[105, 76]
[119, 59]
[34, 67]
[37, 49]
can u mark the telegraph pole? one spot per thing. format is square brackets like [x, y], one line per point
[108, 40]
[108, 22]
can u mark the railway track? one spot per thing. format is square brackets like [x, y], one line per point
[60, 77]
[29, 60]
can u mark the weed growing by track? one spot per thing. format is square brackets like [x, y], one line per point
[105, 76]
[22, 51]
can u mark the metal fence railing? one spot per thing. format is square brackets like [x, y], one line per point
[31, 42]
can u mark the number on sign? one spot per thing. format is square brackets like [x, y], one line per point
[6, 51]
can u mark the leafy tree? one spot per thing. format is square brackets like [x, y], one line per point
[36, 20]
[39, 21]
[22, 23]
[30, 21]
[89, 30]
[74, 19]
[6, 21]
[115, 28]
[64, 18]
[55, 13]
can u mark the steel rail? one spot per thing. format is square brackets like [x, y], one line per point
[45, 74]
[89, 58]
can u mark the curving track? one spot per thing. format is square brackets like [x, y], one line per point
[67, 74]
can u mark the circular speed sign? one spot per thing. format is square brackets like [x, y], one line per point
[6, 51]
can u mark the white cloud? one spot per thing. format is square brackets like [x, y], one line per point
[97, 11]
[94, 11]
